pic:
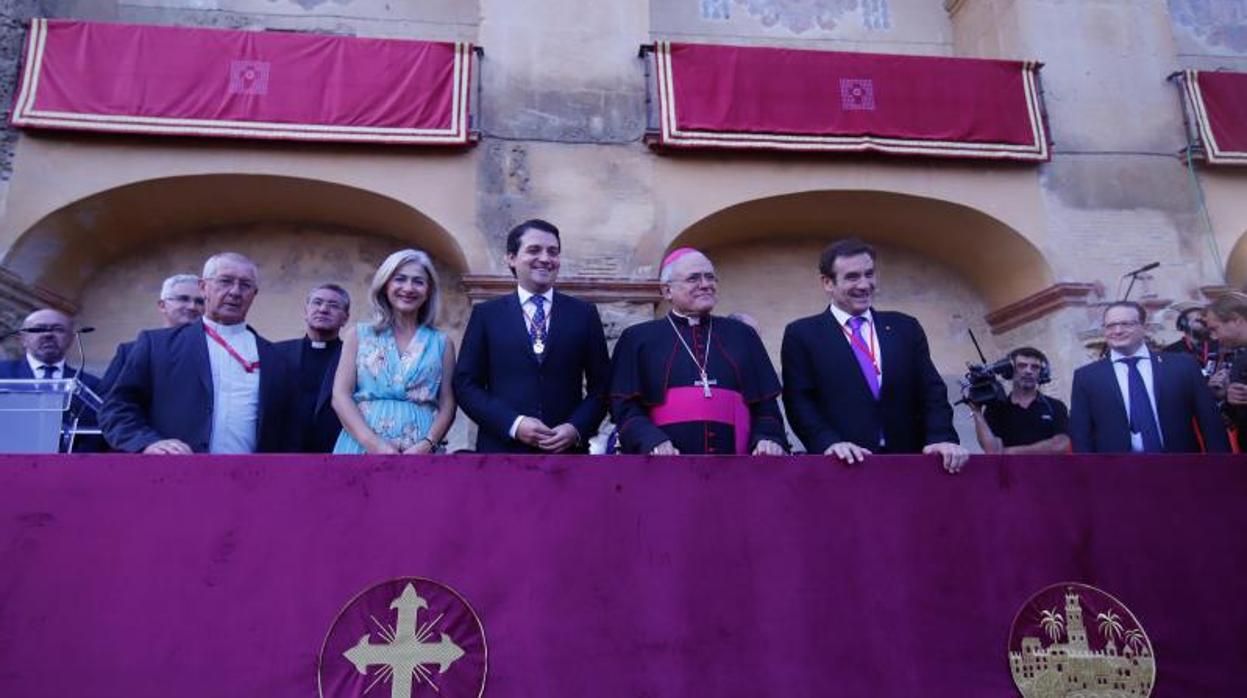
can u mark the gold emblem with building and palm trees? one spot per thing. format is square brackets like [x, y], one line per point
[1054, 654]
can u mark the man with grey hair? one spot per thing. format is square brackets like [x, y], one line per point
[313, 360]
[209, 386]
[180, 302]
[693, 382]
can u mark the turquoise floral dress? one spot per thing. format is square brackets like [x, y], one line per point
[396, 392]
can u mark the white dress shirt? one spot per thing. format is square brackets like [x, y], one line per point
[235, 393]
[36, 368]
[868, 334]
[1122, 371]
[528, 308]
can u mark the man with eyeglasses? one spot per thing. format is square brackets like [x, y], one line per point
[180, 302]
[313, 360]
[1137, 401]
[692, 382]
[46, 336]
[208, 386]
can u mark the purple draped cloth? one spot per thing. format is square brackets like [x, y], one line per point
[627, 576]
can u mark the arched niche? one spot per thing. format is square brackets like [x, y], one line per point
[65, 248]
[999, 262]
[107, 253]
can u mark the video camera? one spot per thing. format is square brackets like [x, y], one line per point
[981, 385]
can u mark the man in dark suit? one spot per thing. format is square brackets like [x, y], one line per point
[533, 370]
[312, 361]
[859, 381]
[1135, 401]
[211, 386]
[46, 335]
[180, 302]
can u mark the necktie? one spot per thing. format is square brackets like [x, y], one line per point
[49, 372]
[536, 328]
[1142, 420]
[864, 359]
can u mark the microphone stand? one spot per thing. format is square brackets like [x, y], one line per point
[1134, 276]
[87, 398]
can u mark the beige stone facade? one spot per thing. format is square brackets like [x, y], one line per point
[1017, 253]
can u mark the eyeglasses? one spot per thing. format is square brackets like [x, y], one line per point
[1114, 326]
[225, 283]
[695, 279]
[46, 329]
[327, 305]
[197, 300]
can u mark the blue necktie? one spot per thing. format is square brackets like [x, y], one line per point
[536, 328]
[49, 372]
[1142, 419]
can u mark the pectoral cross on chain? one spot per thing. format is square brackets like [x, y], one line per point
[705, 384]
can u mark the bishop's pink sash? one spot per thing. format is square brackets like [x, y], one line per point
[690, 404]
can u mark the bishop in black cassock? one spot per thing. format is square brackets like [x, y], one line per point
[692, 382]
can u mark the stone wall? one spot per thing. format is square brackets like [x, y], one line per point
[562, 118]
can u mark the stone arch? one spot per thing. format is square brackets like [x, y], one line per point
[64, 249]
[999, 262]
[105, 254]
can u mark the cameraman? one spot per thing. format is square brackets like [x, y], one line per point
[1227, 321]
[1026, 421]
[1196, 339]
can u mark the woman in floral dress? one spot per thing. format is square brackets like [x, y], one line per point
[392, 389]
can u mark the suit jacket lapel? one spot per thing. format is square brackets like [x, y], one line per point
[267, 354]
[886, 345]
[1108, 377]
[198, 351]
[1160, 392]
[556, 331]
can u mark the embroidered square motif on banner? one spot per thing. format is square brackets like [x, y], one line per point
[248, 77]
[857, 94]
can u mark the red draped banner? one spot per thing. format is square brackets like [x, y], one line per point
[781, 99]
[206, 82]
[1217, 104]
[619, 576]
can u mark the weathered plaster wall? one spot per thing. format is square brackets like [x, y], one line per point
[1116, 194]
[562, 121]
[885, 26]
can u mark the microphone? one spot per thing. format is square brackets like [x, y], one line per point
[1134, 276]
[1140, 270]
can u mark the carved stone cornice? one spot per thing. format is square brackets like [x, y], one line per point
[594, 289]
[19, 295]
[1037, 305]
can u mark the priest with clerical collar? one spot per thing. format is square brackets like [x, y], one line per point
[692, 382]
[211, 386]
[313, 360]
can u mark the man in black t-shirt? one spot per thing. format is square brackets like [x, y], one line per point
[1027, 421]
